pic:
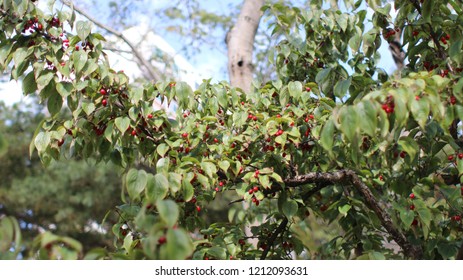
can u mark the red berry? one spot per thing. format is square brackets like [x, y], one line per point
[149, 116]
[412, 196]
[453, 100]
[456, 218]
[216, 140]
[134, 132]
[221, 184]
[257, 202]
[184, 135]
[77, 48]
[162, 240]
[251, 191]
[104, 102]
[323, 207]
[450, 157]
[39, 27]
[412, 207]
[291, 124]
[254, 118]
[103, 91]
[415, 33]
[402, 154]
[415, 222]
[60, 142]
[417, 97]
[460, 155]
[198, 208]
[447, 36]
[242, 102]
[278, 116]
[307, 89]
[241, 242]
[250, 116]
[256, 173]
[216, 189]
[381, 178]
[255, 189]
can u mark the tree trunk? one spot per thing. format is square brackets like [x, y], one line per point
[240, 43]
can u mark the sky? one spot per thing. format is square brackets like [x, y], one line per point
[207, 63]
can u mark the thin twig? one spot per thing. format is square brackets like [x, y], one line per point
[153, 75]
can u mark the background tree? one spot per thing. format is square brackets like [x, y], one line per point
[69, 198]
[332, 141]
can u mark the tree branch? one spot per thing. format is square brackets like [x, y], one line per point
[273, 237]
[153, 75]
[350, 177]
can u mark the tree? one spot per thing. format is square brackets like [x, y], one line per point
[332, 142]
[70, 197]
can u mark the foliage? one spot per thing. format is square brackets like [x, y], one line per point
[69, 198]
[378, 158]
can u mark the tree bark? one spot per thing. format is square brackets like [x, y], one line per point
[240, 43]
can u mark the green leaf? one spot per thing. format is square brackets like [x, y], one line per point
[162, 166]
[79, 58]
[41, 141]
[83, 29]
[341, 88]
[64, 89]
[175, 182]
[349, 122]
[88, 107]
[122, 123]
[179, 245]
[409, 145]
[218, 253]
[29, 85]
[343, 210]
[420, 110]
[157, 187]
[367, 116]
[447, 250]
[356, 40]
[168, 211]
[295, 89]
[209, 168]
[54, 104]
[289, 208]
[326, 136]
[407, 216]
[136, 181]
[44, 80]
[162, 149]
[224, 165]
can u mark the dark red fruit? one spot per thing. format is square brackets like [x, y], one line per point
[255, 189]
[184, 135]
[162, 240]
[450, 157]
[412, 207]
[104, 102]
[415, 222]
[460, 156]
[412, 196]
[402, 154]
[149, 116]
[103, 91]
[60, 142]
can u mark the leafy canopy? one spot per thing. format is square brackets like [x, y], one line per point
[333, 143]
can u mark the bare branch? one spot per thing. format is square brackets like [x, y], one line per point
[153, 75]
